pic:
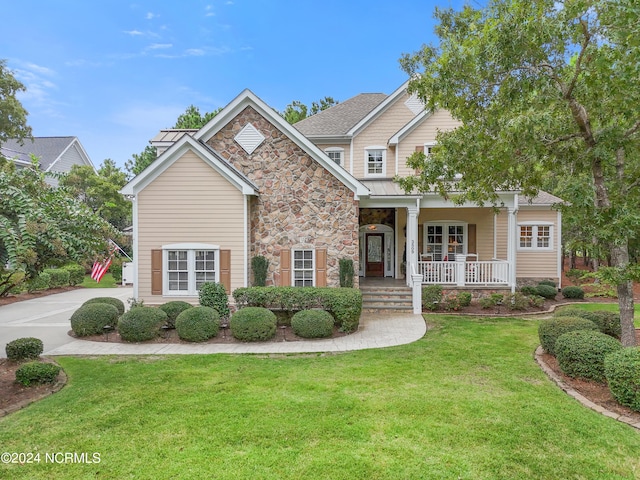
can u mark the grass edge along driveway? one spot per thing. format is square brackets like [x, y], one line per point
[467, 401]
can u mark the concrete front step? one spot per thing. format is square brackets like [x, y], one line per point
[386, 299]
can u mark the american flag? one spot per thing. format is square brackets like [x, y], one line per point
[100, 267]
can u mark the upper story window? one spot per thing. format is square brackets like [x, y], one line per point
[336, 154]
[375, 161]
[535, 236]
[428, 147]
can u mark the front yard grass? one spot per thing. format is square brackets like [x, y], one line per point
[105, 282]
[467, 401]
[611, 307]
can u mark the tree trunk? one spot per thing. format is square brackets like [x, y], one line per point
[620, 258]
[573, 260]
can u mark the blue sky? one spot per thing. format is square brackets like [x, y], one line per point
[113, 73]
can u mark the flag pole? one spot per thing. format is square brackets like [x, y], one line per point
[121, 250]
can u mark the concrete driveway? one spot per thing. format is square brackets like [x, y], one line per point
[47, 318]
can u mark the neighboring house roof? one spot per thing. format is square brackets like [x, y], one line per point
[169, 136]
[339, 119]
[176, 151]
[49, 150]
[543, 199]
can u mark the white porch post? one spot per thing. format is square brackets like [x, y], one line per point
[412, 241]
[512, 242]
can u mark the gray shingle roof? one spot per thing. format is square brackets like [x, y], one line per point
[47, 149]
[340, 118]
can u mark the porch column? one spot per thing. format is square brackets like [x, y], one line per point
[512, 226]
[412, 241]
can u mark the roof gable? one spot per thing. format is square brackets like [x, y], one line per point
[249, 99]
[49, 150]
[176, 151]
[377, 111]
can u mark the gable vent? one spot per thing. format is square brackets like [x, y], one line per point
[414, 104]
[249, 138]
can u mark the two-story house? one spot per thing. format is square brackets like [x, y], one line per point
[304, 196]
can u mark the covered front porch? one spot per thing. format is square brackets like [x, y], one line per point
[424, 239]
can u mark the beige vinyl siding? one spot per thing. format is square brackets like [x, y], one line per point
[481, 217]
[502, 230]
[441, 120]
[378, 132]
[189, 202]
[538, 264]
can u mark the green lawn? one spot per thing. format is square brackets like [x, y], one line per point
[465, 402]
[105, 282]
[612, 307]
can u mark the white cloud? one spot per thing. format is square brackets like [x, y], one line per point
[194, 52]
[133, 33]
[158, 46]
[208, 11]
[151, 16]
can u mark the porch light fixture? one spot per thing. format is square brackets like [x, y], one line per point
[372, 227]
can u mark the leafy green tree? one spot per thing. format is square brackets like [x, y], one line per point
[100, 191]
[542, 88]
[296, 110]
[42, 226]
[13, 116]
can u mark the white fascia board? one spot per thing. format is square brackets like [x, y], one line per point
[167, 159]
[434, 200]
[409, 127]
[248, 98]
[379, 109]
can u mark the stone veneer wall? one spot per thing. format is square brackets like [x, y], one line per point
[300, 204]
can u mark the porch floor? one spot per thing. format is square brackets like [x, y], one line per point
[382, 282]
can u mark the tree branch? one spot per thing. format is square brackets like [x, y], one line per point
[632, 130]
[576, 73]
[563, 138]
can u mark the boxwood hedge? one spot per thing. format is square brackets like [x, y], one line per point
[36, 372]
[141, 323]
[312, 324]
[116, 302]
[622, 371]
[549, 330]
[173, 309]
[607, 322]
[198, 324]
[581, 353]
[253, 324]
[23, 348]
[90, 319]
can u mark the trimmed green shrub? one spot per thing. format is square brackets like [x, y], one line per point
[464, 298]
[622, 371]
[214, 295]
[198, 324]
[36, 372]
[23, 348]
[253, 324]
[346, 272]
[76, 273]
[312, 324]
[90, 319]
[607, 322]
[528, 290]
[141, 323]
[41, 282]
[536, 301]
[173, 309]
[260, 267]
[573, 292]
[549, 283]
[549, 330]
[116, 302]
[59, 277]
[581, 353]
[431, 297]
[546, 291]
[345, 304]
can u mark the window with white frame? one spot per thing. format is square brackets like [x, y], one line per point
[303, 268]
[188, 266]
[428, 147]
[375, 161]
[336, 154]
[443, 241]
[535, 236]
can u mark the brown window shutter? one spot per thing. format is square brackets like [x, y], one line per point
[285, 268]
[156, 272]
[225, 269]
[321, 267]
[420, 148]
[471, 241]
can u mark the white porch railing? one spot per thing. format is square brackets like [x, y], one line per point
[494, 272]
